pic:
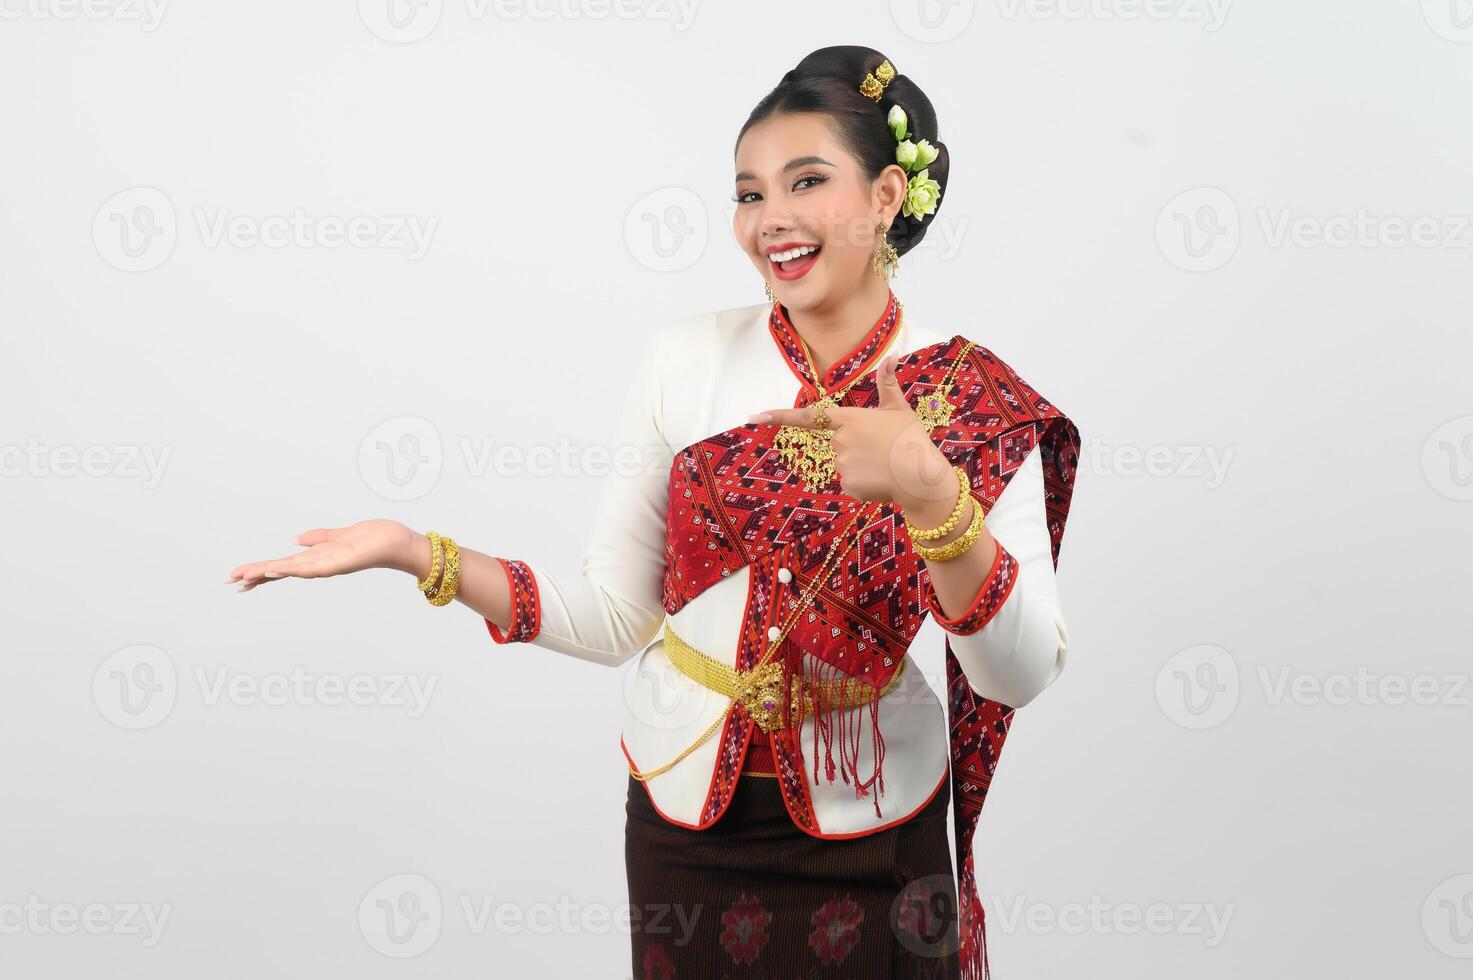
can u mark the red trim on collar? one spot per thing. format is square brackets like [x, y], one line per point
[855, 362]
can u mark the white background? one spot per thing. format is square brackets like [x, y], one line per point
[1114, 227]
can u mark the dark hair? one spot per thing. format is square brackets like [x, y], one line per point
[827, 81]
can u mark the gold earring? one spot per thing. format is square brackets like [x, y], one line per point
[884, 259]
[771, 296]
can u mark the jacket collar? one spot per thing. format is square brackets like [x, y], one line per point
[853, 364]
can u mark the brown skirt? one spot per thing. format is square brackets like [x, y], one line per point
[753, 896]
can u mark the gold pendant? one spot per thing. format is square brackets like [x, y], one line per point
[935, 409]
[760, 691]
[808, 452]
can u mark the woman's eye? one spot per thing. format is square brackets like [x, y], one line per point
[741, 197]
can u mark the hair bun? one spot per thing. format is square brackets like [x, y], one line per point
[828, 81]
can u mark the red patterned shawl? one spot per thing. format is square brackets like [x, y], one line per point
[733, 504]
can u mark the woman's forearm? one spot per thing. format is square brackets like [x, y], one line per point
[483, 585]
[956, 582]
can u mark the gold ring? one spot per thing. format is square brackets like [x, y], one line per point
[821, 417]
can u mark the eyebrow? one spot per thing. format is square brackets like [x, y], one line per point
[792, 164]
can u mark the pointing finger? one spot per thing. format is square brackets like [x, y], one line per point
[803, 417]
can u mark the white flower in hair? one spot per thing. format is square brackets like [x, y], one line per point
[921, 196]
[898, 122]
[925, 155]
[905, 154]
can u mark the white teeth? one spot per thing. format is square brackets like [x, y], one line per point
[792, 253]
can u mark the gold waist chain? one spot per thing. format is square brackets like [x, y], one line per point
[759, 690]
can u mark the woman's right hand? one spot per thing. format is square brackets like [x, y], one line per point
[336, 551]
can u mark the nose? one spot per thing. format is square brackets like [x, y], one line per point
[775, 223]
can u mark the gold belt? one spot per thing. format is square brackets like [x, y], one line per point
[760, 690]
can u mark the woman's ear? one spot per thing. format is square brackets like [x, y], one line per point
[890, 192]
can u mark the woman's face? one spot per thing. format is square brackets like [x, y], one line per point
[797, 190]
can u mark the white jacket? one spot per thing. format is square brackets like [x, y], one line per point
[705, 375]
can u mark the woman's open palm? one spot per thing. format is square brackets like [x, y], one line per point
[332, 551]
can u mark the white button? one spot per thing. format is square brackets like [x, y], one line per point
[773, 632]
[784, 576]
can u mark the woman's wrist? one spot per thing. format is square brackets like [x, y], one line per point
[928, 495]
[415, 555]
[933, 514]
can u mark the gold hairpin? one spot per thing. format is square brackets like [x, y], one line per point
[874, 82]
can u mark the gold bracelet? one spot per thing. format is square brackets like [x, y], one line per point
[964, 487]
[958, 547]
[451, 582]
[436, 556]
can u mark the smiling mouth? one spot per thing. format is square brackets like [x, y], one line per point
[794, 267]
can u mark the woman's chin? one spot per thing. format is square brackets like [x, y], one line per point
[803, 290]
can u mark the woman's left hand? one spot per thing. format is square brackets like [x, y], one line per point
[881, 453]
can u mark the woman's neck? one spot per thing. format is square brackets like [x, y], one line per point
[833, 330]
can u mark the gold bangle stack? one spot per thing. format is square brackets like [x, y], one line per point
[964, 486]
[951, 549]
[443, 553]
[437, 555]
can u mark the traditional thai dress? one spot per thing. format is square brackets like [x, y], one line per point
[829, 867]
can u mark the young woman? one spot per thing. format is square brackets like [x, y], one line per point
[828, 473]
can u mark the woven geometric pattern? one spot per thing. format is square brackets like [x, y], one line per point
[995, 591]
[526, 612]
[734, 504]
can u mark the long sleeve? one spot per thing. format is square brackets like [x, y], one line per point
[1011, 642]
[613, 609]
